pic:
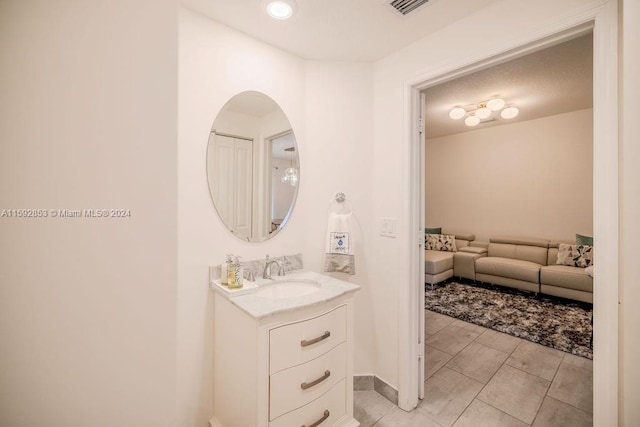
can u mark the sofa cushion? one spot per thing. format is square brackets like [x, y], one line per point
[508, 267]
[463, 236]
[535, 254]
[502, 250]
[575, 255]
[436, 262]
[552, 257]
[528, 241]
[461, 244]
[440, 242]
[564, 276]
[473, 250]
[432, 279]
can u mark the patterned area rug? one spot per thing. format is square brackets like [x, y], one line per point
[561, 324]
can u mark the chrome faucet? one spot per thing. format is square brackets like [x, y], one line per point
[266, 273]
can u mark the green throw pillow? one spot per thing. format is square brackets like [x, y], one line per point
[584, 240]
[433, 230]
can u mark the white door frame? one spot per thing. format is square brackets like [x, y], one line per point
[603, 18]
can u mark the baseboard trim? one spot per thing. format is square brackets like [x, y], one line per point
[372, 382]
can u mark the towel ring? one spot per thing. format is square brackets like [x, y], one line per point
[340, 197]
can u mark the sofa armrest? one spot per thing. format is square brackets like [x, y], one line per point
[479, 244]
[473, 250]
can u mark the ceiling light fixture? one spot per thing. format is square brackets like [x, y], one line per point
[457, 113]
[280, 9]
[290, 175]
[471, 121]
[483, 112]
[495, 104]
[473, 114]
[509, 113]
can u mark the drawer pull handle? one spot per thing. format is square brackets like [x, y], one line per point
[305, 343]
[326, 375]
[317, 423]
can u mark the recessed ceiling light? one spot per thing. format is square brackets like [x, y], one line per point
[280, 9]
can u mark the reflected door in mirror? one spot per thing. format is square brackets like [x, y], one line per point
[232, 181]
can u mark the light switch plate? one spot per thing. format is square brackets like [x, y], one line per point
[388, 227]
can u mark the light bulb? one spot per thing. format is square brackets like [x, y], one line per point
[509, 113]
[495, 104]
[483, 113]
[471, 121]
[280, 9]
[457, 113]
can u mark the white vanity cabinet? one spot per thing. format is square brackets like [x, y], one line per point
[292, 368]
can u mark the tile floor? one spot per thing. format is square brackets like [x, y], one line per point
[479, 377]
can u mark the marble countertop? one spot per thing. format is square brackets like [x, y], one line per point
[249, 301]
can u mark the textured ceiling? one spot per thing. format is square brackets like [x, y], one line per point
[551, 81]
[352, 30]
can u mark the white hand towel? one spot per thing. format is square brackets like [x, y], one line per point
[340, 247]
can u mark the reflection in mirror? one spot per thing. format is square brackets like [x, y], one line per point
[253, 166]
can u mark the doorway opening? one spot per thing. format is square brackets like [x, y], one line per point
[605, 222]
[491, 173]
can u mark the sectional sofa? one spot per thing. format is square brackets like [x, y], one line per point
[518, 262]
[530, 264]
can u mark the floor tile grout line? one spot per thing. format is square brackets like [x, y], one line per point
[555, 374]
[493, 330]
[535, 375]
[506, 413]
[569, 404]
[466, 407]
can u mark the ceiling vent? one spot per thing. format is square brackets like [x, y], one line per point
[404, 7]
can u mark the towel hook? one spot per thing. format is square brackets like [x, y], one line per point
[340, 197]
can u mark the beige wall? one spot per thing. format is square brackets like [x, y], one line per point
[87, 121]
[532, 178]
[329, 107]
[629, 216]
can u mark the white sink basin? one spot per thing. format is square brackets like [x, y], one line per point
[288, 289]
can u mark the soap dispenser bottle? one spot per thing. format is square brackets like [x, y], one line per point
[235, 274]
[224, 270]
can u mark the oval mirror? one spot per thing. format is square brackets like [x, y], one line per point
[252, 166]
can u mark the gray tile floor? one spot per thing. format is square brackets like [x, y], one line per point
[479, 377]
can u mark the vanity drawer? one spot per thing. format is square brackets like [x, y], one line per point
[297, 386]
[329, 408]
[299, 342]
